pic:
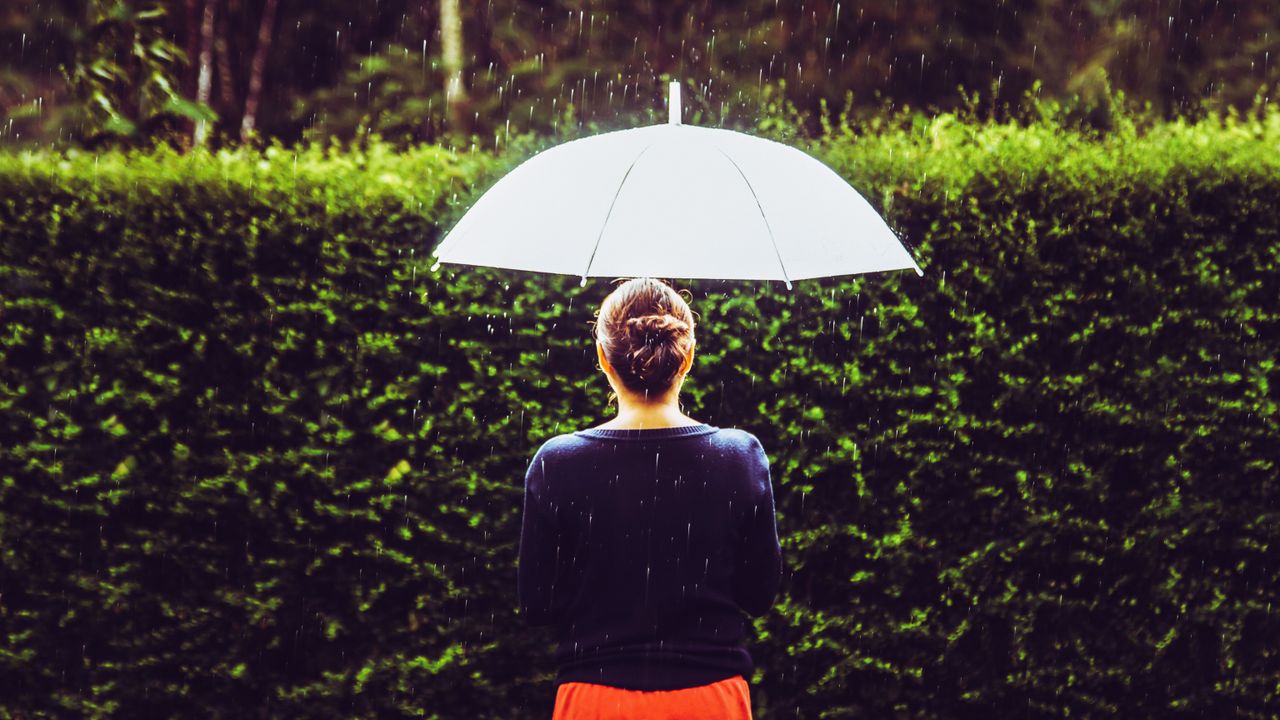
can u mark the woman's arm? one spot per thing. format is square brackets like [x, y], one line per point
[758, 571]
[539, 547]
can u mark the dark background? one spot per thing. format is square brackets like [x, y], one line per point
[76, 70]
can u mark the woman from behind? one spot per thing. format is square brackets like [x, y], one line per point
[647, 540]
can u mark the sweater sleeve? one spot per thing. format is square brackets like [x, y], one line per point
[539, 540]
[758, 571]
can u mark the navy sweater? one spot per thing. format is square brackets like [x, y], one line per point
[643, 549]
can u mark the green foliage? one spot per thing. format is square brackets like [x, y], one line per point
[124, 78]
[260, 460]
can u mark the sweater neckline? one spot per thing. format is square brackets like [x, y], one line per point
[662, 433]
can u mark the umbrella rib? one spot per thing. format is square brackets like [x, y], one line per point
[609, 214]
[772, 239]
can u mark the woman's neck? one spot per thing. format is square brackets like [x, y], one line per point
[639, 416]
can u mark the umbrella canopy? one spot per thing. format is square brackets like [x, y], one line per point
[678, 201]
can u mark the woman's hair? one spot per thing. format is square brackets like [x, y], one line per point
[646, 331]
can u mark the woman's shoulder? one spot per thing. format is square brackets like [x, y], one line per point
[740, 444]
[741, 436]
[557, 443]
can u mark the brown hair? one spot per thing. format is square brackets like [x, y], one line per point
[645, 328]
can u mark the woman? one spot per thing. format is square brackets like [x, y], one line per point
[646, 538]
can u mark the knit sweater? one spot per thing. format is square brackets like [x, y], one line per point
[643, 549]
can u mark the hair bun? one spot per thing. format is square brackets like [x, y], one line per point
[645, 330]
[655, 328]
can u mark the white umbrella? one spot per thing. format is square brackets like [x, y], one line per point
[675, 201]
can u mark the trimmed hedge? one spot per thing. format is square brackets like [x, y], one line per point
[259, 461]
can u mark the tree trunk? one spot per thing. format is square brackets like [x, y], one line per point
[455, 92]
[226, 77]
[256, 69]
[205, 80]
[192, 68]
[191, 46]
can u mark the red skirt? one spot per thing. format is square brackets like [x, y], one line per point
[728, 699]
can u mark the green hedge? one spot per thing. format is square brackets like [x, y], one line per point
[259, 461]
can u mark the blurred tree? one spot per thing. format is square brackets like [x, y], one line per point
[33, 41]
[123, 76]
[257, 67]
[118, 71]
[205, 77]
[334, 68]
[1169, 52]
[455, 92]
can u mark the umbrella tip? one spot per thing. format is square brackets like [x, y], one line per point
[788, 284]
[584, 281]
[436, 266]
[919, 272]
[673, 102]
